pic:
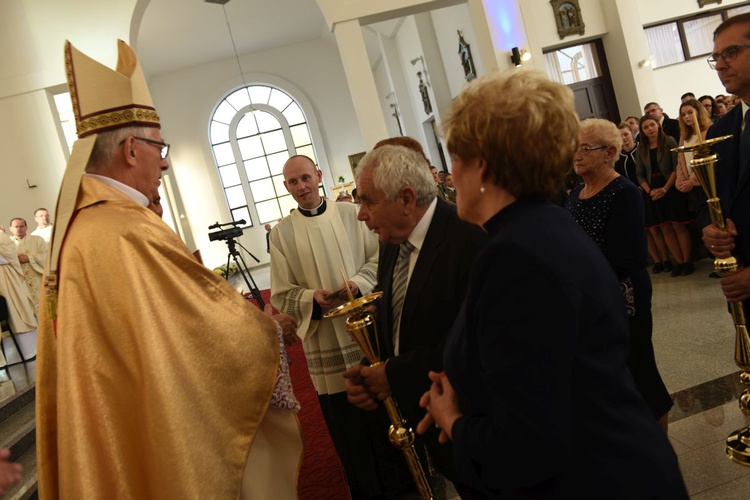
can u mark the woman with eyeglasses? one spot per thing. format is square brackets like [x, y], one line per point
[666, 212]
[709, 104]
[610, 209]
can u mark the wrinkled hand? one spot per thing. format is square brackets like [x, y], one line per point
[736, 287]
[10, 472]
[720, 243]
[684, 185]
[23, 258]
[442, 407]
[376, 381]
[356, 391]
[288, 325]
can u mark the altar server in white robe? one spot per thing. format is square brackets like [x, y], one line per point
[22, 317]
[32, 254]
[309, 248]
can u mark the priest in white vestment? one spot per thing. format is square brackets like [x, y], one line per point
[44, 227]
[20, 306]
[32, 254]
[309, 249]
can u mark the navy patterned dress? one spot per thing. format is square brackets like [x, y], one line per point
[614, 219]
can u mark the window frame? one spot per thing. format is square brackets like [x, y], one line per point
[281, 198]
[680, 23]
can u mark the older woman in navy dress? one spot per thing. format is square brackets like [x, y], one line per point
[536, 396]
[610, 209]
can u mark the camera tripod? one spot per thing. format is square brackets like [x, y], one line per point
[235, 255]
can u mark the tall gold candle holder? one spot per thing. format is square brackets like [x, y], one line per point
[360, 324]
[703, 164]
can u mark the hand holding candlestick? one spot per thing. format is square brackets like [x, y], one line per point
[704, 167]
[360, 324]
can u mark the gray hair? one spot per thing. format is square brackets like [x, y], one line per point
[395, 167]
[107, 143]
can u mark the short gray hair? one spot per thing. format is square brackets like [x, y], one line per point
[108, 142]
[395, 167]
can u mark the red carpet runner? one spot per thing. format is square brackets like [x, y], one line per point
[321, 476]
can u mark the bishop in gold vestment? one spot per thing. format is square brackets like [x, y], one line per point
[155, 378]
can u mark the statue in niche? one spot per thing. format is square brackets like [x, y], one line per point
[466, 60]
[424, 94]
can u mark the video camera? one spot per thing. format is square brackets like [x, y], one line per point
[233, 232]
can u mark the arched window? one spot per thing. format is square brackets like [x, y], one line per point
[253, 131]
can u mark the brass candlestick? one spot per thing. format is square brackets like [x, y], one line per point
[360, 324]
[704, 166]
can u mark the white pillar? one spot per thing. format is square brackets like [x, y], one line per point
[392, 62]
[499, 26]
[626, 46]
[439, 89]
[361, 81]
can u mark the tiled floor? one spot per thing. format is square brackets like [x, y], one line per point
[694, 343]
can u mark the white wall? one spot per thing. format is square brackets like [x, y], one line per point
[185, 100]
[383, 84]
[409, 46]
[634, 86]
[32, 36]
[656, 11]
[689, 76]
[31, 150]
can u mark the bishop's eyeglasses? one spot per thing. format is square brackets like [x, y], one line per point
[163, 146]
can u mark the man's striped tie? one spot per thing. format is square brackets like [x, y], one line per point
[400, 275]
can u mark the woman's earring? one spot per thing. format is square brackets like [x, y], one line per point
[481, 189]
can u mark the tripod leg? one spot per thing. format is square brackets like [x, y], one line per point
[249, 281]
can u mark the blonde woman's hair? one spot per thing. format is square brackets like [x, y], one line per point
[606, 133]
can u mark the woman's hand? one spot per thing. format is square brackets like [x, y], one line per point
[684, 185]
[442, 407]
[658, 193]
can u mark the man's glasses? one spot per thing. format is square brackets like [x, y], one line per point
[160, 144]
[584, 150]
[729, 54]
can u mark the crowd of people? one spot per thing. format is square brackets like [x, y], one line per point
[538, 338]
[670, 190]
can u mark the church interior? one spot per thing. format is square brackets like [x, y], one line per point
[241, 85]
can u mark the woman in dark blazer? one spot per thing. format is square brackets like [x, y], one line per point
[666, 214]
[536, 395]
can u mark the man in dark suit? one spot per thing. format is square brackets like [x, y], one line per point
[731, 59]
[670, 126]
[399, 203]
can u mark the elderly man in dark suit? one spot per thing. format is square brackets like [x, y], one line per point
[731, 59]
[425, 257]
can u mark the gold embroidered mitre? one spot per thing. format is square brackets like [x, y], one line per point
[103, 99]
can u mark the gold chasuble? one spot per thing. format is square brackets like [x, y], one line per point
[155, 377]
